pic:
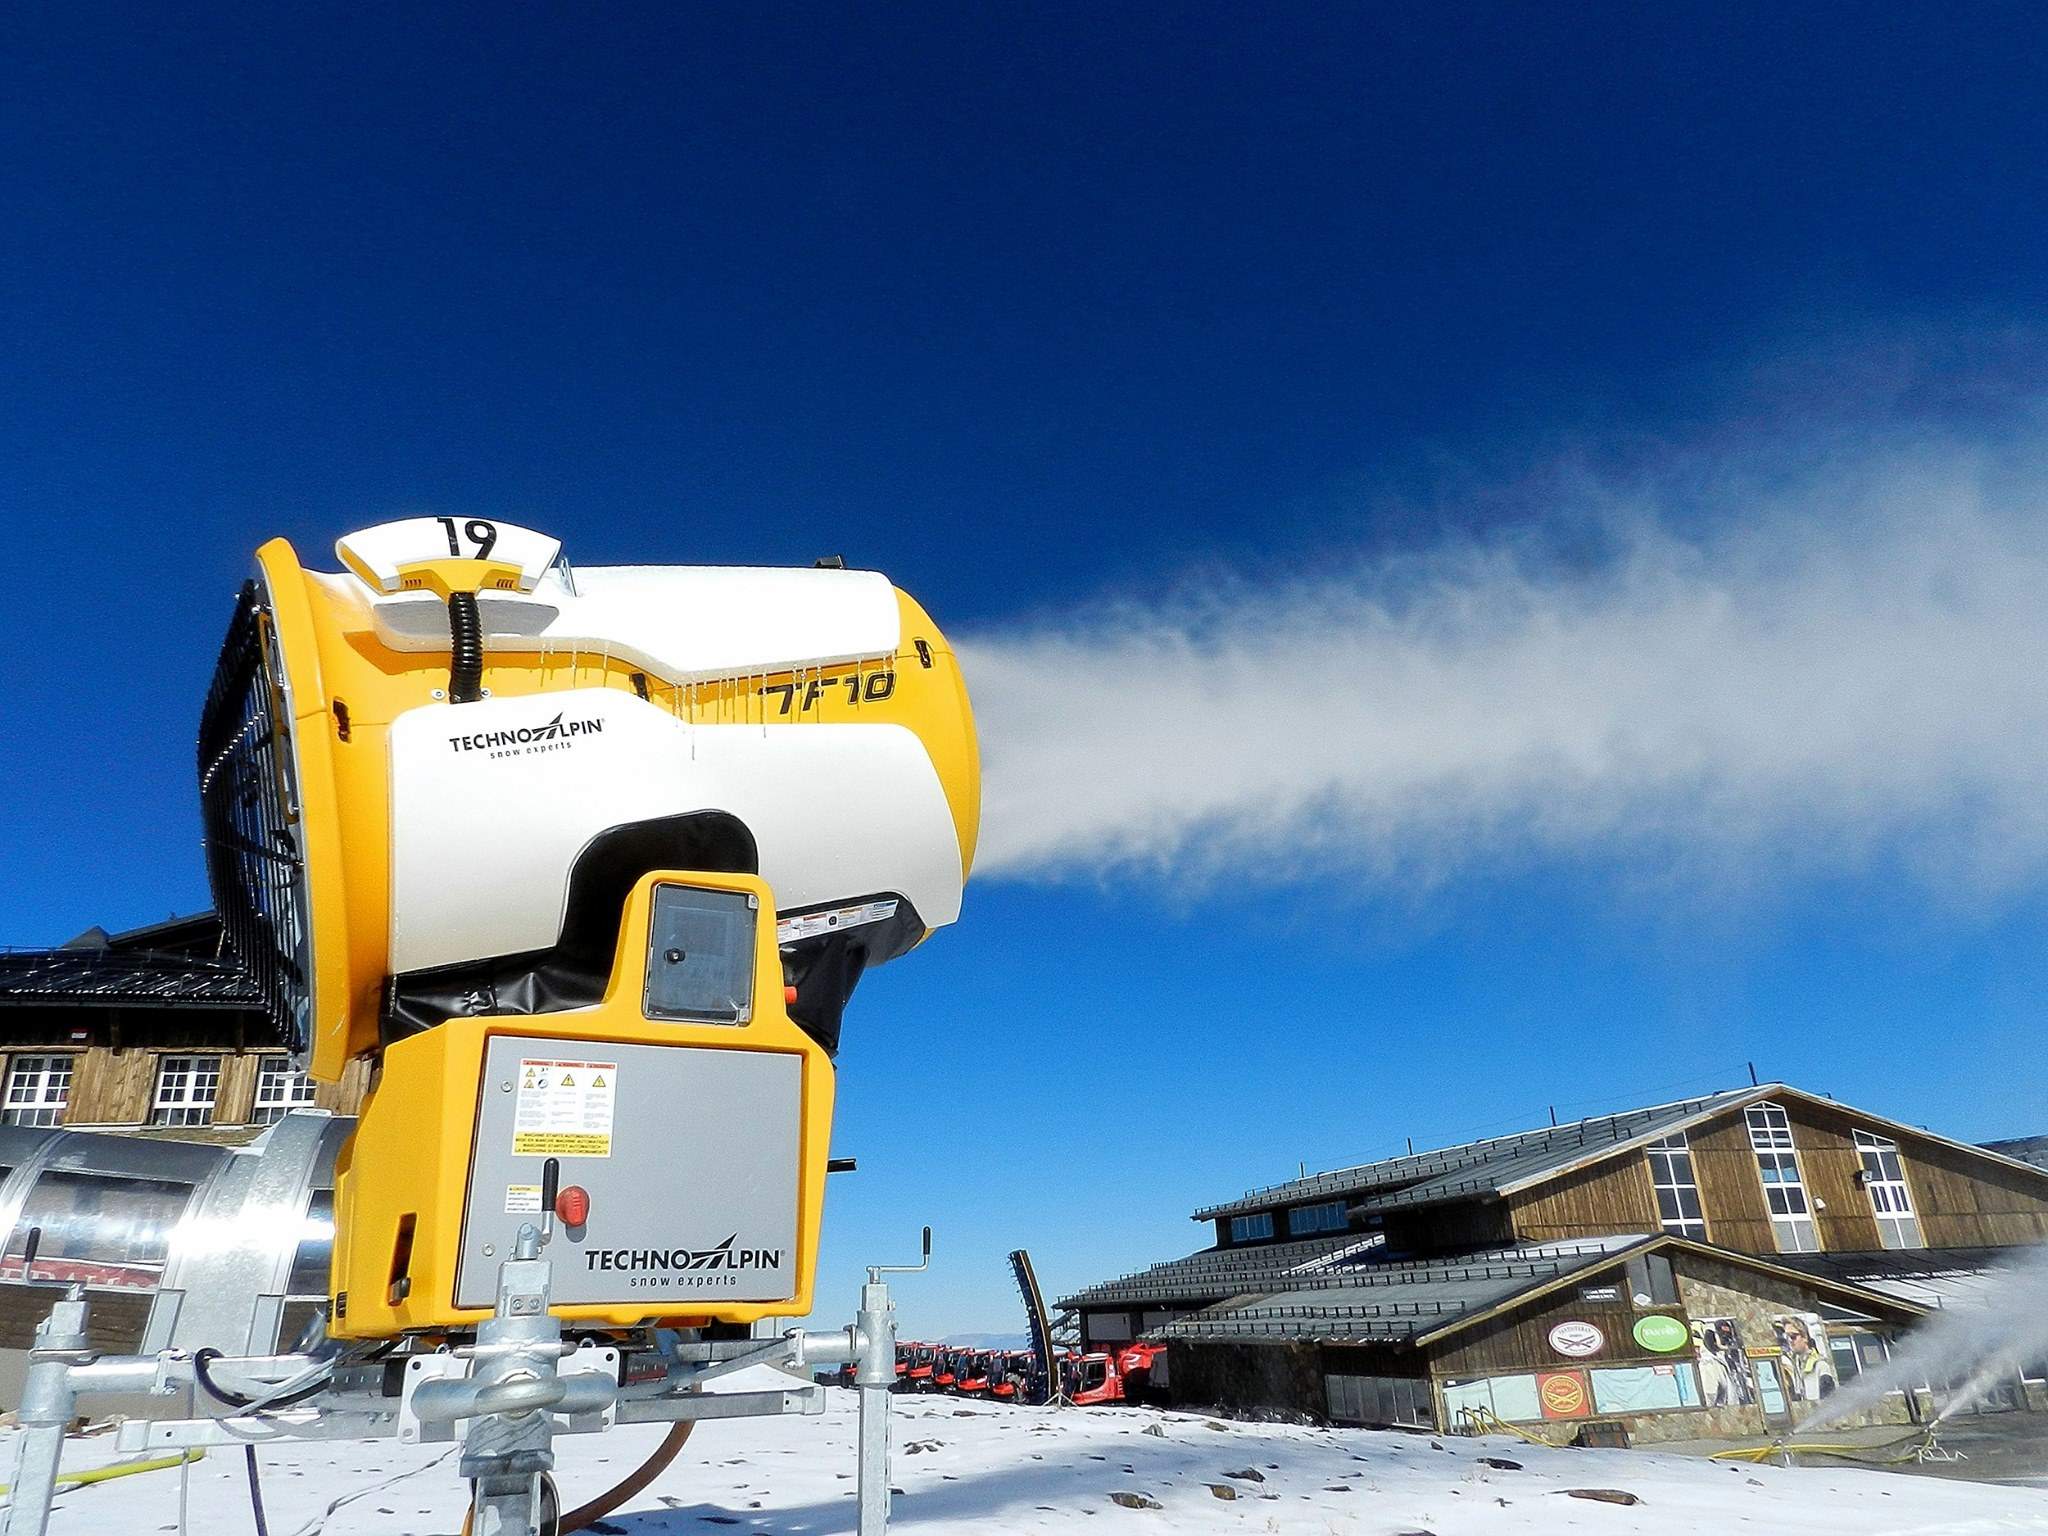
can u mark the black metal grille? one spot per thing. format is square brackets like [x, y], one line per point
[248, 796]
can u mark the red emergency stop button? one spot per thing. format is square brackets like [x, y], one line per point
[572, 1205]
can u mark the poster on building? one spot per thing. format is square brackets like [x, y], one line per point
[1804, 1362]
[1563, 1395]
[1725, 1381]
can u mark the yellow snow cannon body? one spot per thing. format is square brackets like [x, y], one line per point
[583, 864]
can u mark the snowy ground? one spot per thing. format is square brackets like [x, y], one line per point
[964, 1467]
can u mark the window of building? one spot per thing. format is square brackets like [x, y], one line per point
[1379, 1399]
[1848, 1363]
[1651, 1281]
[1249, 1229]
[1645, 1388]
[38, 1088]
[1678, 1192]
[1108, 1328]
[1512, 1399]
[1884, 1180]
[186, 1087]
[278, 1089]
[1777, 1164]
[1329, 1216]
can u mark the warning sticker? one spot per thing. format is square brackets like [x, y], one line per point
[522, 1199]
[564, 1110]
[791, 928]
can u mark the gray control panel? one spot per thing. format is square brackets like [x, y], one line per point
[689, 1157]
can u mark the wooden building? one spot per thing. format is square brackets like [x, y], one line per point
[149, 1028]
[1698, 1268]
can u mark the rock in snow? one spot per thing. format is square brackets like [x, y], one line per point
[787, 1477]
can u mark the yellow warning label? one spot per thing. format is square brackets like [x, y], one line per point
[560, 1144]
[564, 1108]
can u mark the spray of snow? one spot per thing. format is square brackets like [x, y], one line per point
[1828, 667]
[1968, 1349]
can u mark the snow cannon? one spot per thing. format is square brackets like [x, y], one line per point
[585, 863]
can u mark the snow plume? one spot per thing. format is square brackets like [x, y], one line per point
[1722, 681]
[1975, 1344]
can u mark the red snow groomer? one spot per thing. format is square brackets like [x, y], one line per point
[1013, 1372]
[918, 1361]
[977, 1374]
[1122, 1375]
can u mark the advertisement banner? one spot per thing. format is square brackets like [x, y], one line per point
[1563, 1395]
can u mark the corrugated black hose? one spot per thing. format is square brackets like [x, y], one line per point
[465, 649]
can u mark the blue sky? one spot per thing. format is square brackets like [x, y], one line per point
[1048, 311]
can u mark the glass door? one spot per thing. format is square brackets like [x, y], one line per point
[1770, 1391]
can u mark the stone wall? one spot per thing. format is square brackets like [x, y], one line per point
[1711, 1289]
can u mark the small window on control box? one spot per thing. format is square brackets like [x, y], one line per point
[700, 955]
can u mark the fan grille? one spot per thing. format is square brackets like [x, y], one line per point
[248, 795]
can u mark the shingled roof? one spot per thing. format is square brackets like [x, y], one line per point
[176, 964]
[1495, 1166]
[1215, 1273]
[1394, 1302]
[1421, 1301]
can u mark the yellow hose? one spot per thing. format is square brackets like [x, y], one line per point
[1493, 1423]
[125, 1468]
[1762, 1453]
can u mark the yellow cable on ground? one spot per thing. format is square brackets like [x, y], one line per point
[1490, 1422]
[1762, 1453]
[124, 1469]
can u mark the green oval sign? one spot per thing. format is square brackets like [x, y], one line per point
[1666, 1335]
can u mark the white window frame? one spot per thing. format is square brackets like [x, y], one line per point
[1777, 1168]
[187, 1088]
[1891, 1197]
[1669, 1177]
[38, 1088]
[280, 1088]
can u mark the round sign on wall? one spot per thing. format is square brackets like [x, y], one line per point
[1576, 1339]
[1666, 1335]
[1561, 1394]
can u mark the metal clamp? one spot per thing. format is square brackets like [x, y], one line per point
[437, 1393]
